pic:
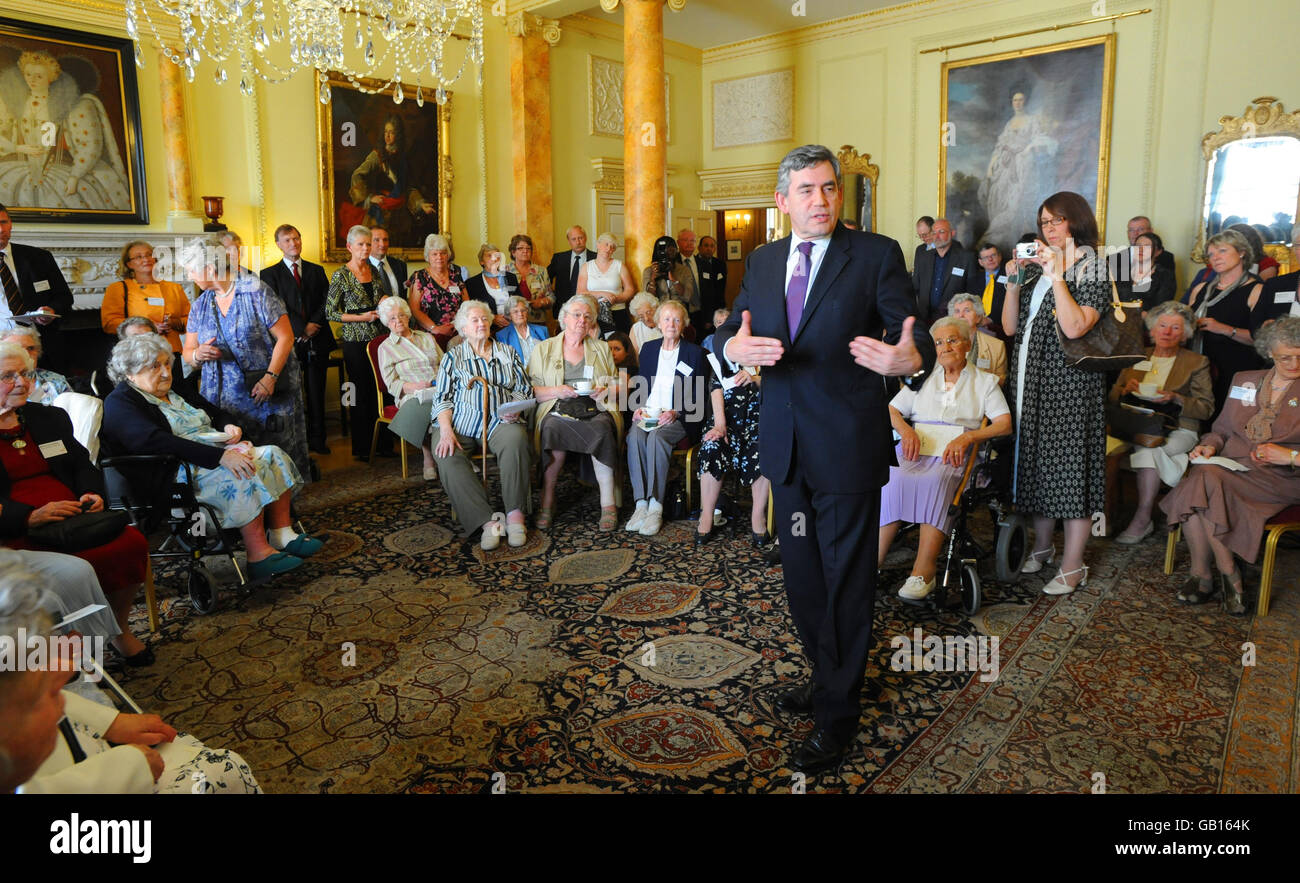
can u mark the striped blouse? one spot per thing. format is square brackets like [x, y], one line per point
[507, 382]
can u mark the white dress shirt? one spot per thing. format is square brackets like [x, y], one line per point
[791, 262]
[8, 253]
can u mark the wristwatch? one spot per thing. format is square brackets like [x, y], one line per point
[1293, 456]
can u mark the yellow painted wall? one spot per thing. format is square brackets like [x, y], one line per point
[1178, 69]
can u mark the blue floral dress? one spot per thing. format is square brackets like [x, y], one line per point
[237, 501]
[246, 328]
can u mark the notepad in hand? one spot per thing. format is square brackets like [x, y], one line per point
[1219, 461]
[505, 409]
[935, 437]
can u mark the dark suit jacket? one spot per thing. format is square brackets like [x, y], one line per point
[49, 424]
[713, 285]
[999, 295]
[692, 413]
[36, 267]
[1268, 307]
[306, 304]
[558, 272]
[135, 426]
[1160, 290]
[399, 271]
[816, 395]
[476, 289]
[963, 274]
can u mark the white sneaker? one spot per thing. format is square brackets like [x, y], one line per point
[1058, 585]
[492, 532]
[1033, 563]
[654, 519]
[915, 588]
[638, 517]
[516, 534]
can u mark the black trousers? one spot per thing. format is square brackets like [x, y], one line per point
[314, 366]
[366, 410]
[828, 554]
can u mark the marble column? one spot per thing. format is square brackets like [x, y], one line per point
[645, 148]
[181, 216]
[531, 39]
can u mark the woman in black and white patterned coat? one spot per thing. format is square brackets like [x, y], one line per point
[1060, 411]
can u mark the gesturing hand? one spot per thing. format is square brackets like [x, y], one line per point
[746, 349]
[898, 360]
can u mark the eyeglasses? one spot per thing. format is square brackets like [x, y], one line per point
[1053, 222]
[9, 378]
[949, 341]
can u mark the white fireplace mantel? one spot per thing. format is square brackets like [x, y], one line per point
[88, 258]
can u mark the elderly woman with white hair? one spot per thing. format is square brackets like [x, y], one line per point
[609, 281]
[435, 294]
[643, 307]
[574, 421]
[48, 384]
[239, 339]
[520, 333]
[458, 418]
[249, 487]
[987, 352]
[938, 427]
[355, 291]
[1174, 378]
[408, 363]
[1223, 512]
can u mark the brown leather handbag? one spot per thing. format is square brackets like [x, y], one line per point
[1113, 344]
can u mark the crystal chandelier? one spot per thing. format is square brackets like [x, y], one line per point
[274, 39]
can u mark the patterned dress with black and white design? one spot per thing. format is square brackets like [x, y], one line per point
[737, 453]
[1061, 430]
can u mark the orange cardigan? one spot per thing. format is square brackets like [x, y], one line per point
[128, 298]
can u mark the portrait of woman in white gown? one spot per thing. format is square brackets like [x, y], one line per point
[1020, 171]
[57, 147]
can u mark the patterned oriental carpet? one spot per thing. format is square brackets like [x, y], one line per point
[399, 660]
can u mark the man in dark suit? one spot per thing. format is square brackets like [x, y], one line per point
[302, 286]
[392, 269]
[991, 280]
[564, 266]
[713, 281]
[1279, 296]
[828, 313]
[32, 282]
[941, 272]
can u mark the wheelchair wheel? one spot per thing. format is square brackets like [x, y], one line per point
[971, 598]
[1013, 545]
[203, 591]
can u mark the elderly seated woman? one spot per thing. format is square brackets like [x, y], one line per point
[458, 428]
[48, 384]
[408, 363]
[249, 487]
[521, 334]
[948, 411]
[135, 325]
[573, 422]
[675, 373]
[1179, 377]
[643, 307]
[988, 353]
[1223, 511]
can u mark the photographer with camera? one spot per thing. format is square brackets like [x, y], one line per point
[667, 278]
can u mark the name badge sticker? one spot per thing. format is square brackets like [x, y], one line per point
[588, 372]
[53, 449]
[982, 363]
[1002, 280]
[959, 271]
[683, 369]
[1246, 394]
[42, 285]
[154, 301]
[1284, 297]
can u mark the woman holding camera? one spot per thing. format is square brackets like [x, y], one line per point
[1059, 291]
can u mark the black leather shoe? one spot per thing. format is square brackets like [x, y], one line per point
[796, 701]
[823, 750]
[703, 539]
[759, 539]
[772, 557]
[139, 660]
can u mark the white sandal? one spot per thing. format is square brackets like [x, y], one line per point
[1058, 585]
[1033, 563]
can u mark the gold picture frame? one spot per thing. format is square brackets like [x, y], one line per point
[986, 190]
[351, 132]
[860, 164]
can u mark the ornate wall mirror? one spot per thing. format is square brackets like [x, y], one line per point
[860, 178]
[1252, 176]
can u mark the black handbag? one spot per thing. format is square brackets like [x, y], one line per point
[1114, 343]
[251, 378]
[577, 408]
[84, 531]
[1146, 424]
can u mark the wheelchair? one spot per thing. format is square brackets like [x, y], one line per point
[986, 483]
[193, 528]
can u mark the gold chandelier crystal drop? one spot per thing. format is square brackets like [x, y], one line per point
[390, 40]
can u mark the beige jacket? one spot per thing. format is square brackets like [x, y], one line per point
[546, 368]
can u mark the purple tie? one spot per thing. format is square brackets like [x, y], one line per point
[798, 290]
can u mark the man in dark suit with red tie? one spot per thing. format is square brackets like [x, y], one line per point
[565, 265]
[828, 312]
[32, 282]
[302, 286]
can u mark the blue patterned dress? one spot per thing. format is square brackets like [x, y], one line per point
[246, 327]
[236, 500]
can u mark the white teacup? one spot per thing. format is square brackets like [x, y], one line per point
[1148, 389]
[582, 385]
[650, 416]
